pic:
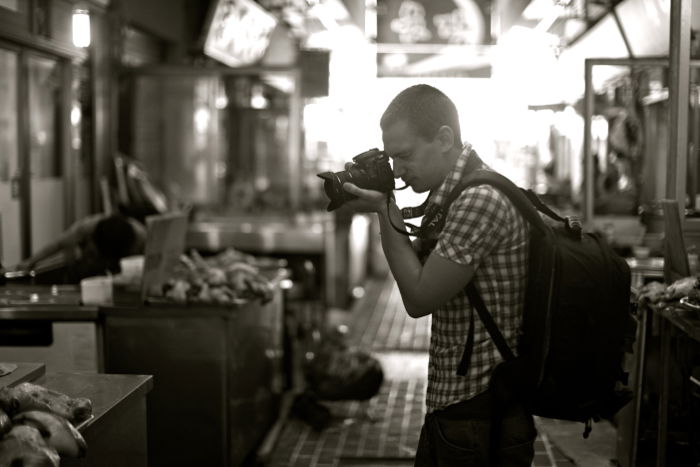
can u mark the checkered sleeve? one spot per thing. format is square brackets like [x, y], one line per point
[477, 223]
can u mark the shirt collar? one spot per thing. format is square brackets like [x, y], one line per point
[437, 197]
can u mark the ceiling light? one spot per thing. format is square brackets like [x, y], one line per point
[81, 28]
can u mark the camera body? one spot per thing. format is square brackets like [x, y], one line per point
[370, 170]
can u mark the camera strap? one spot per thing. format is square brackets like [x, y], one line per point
[434, 219]
[415, 211]
[435, 214]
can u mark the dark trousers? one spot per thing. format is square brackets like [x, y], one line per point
[460, 435]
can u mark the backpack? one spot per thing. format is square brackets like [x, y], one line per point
[577, 321]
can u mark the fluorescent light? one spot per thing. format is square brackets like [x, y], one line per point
[81, 28]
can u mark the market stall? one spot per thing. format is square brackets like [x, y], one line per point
[209, 331]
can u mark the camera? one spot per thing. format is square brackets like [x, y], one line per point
[370, 170]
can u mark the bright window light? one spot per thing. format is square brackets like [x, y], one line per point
[257, 98]
[81, 28]
[75, 115]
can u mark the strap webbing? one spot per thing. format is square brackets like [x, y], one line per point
[468, 348]
[490, 325]
[528, 208]
[541, 207]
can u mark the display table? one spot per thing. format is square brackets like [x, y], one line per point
[24, 372]
[643, 270]
[218, 375]
[673, 317]
[217, 370]
[116, 434]
[48, 324]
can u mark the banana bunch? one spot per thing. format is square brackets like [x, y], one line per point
[197, 280]
[36, 426]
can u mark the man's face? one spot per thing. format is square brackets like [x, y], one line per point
[414, 159]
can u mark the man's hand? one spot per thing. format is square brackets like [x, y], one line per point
[367, 200]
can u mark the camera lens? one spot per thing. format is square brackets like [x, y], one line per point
[370, 170]
[333, 186]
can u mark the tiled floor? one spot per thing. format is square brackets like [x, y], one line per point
[384, 430]
[379, 321]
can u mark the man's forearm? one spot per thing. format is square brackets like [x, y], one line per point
[402, 259]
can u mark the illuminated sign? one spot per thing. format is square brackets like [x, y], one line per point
[432, 22]
[433, 37]
[239, 32]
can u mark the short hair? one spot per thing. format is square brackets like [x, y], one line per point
[114, 237]
[425, 109]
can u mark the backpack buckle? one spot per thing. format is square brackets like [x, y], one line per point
[587, 429]
[574, 226]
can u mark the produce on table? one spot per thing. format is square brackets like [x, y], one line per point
[28, 396]
[58, 433]
[40, 430]
[653, 292]
[24, 446]
[658, 292]
[681, 288]
[5, 422]
[230, 277]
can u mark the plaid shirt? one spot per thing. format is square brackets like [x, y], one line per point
[482, 229]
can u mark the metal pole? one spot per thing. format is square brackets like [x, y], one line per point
[622, 32]
[589, 192]
[296, 109]
[67, 153]
[24, 168]
[679, 89]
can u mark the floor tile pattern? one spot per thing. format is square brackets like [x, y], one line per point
[386, 427]
[383, 431]
[380, 321]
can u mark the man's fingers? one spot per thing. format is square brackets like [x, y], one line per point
[351, 188]
[348, 165]
[357, 191]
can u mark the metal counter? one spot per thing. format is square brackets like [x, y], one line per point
[259, 237]
[49, 325]
[116, 433]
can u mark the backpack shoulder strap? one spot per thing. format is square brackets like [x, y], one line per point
[525, 201]
[529, 209]
[522, 200]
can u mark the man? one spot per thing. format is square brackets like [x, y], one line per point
[485, 240]
[92, 246]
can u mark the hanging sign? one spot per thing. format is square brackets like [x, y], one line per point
[411, 31]
[432, 22]
[239, 32]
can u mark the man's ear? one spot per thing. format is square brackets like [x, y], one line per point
[445, 138]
